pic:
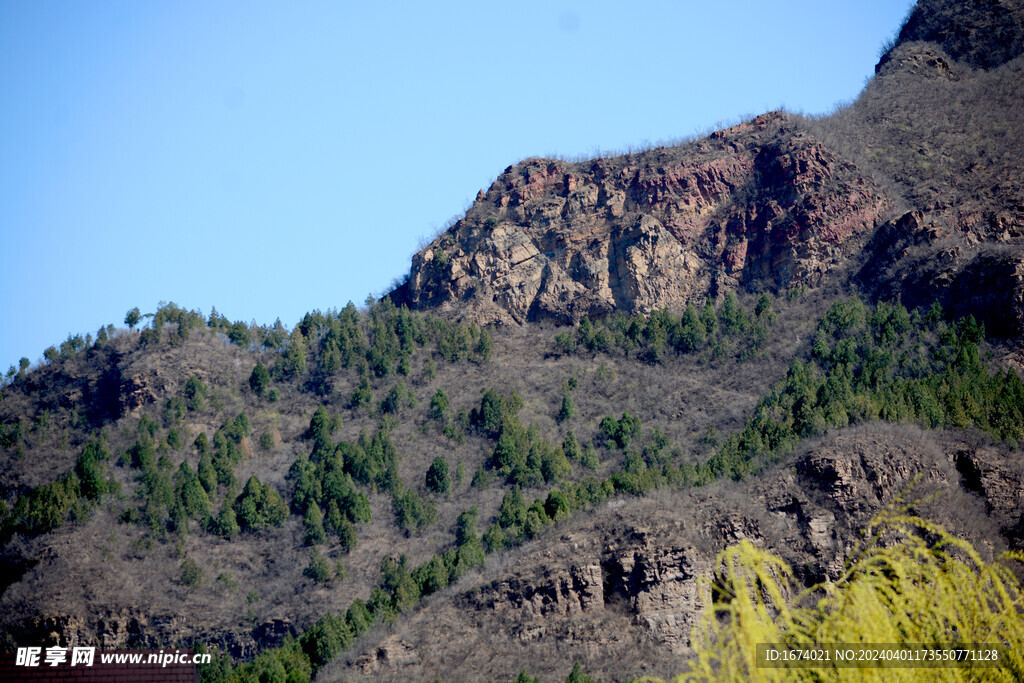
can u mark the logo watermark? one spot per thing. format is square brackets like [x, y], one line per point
[86, 657]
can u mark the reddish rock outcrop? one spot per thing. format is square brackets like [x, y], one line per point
[761, 205]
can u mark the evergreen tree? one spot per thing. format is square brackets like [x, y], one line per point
[437, 479]
[439, 406]
[363, 394]
[314, 525]
[568, 409]
[570, 446]
[132, 318]
[259, 380]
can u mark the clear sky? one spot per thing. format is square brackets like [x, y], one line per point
[270, 158]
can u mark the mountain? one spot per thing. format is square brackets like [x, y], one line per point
[911, 191]
[760, 206]
[528, 453]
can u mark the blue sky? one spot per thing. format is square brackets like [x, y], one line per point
[272, 158]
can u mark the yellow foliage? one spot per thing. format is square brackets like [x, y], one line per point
[911, 582]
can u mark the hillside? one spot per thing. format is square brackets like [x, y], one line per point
[912, 191]
[529, 452]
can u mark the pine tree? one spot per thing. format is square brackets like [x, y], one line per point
[314, 525]
[437, 479]
[259, 380]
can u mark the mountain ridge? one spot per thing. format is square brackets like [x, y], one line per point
[688, 315]
[775, 202]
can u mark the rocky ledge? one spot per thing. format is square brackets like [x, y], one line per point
[762, 205]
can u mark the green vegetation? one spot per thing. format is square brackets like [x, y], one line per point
[439, 406]
[437, 479]
[195, 394]
[619, 432]
[520, 455]
[46, 507]
[259, 380]
[132, 318]
[318, 569]
[729, 330]
[867, 363]
[412, 511]
[259, 506]
[878, 362]
[575, 676]
[191, 573]
[568, 409]
[378, 344]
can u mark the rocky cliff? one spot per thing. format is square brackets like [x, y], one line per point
[761, 205]
[916, 187]
[621, 589]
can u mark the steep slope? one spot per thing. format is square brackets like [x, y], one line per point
[595, 543]
[941, 122]
[619, 590]
[760, 206]
[108, 576]
[776, 202]
[980, 33]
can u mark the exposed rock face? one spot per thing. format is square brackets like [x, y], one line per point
[924, 60]
[135, 393]
[663, 587]
[622, 590]
[982, 33]
[776, 201]
[134, 629]
[921, 260]
[762, 205]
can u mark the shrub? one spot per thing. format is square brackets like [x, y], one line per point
[227, 579]
[191, 573]
[195, 393]
[437, 479]
[318, 569]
